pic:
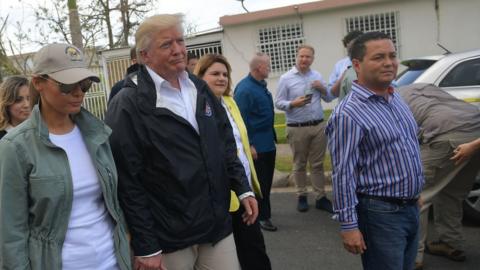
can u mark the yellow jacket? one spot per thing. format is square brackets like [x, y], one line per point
[237, 117]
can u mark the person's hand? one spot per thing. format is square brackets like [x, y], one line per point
[317, 85]
[149, 263]
[335, 90]
[251, 210]
[353, 241]
[465, 151]
[420, 202]
[254, 152]
[299, 101]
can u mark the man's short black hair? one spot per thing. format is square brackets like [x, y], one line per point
[351, 36]
[358, 47]
[133, 53]
[191, 55]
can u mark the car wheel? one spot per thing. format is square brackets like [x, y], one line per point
[471, 205]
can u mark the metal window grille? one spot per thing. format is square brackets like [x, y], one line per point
[117, 68]
[280, 42]
[95, 100]
[114, 64]
[205, 48]
[382, 22]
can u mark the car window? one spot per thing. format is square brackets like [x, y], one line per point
[408, 76]
[464, 74]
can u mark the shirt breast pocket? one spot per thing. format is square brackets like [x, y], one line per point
[46, 195]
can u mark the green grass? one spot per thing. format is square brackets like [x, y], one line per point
[280, 125]
[284, 163]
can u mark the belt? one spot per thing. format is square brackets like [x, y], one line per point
[305, 124]
[397, 201]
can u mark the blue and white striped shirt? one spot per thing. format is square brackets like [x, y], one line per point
[374, 148]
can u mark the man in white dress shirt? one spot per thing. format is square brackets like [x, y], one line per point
[176, 159]
[299, 94]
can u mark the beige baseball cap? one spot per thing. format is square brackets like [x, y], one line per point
[64, 63]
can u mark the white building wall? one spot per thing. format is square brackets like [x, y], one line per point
[419, 30]
[460, 24]
[239, 45]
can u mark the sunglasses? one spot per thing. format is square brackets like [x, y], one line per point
[84, 85]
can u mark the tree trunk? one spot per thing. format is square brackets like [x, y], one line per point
[124, 8]
[108, 22]
[75, 28]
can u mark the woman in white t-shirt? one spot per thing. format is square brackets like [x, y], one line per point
[58, 182]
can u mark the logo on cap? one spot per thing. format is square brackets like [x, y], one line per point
[73, 53]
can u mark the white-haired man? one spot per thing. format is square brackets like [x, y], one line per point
[256, 105]
[176, 159]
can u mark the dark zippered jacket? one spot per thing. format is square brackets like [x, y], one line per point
[173, 182]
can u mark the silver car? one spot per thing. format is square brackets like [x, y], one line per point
[459, 75]
[456, 73]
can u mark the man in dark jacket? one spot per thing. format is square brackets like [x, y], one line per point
[176, 159]
[131, 69]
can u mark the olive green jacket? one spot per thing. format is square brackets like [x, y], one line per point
[36, 193]
[346, 84]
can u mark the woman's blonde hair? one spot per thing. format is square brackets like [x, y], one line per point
[8, 95]
[207, 61]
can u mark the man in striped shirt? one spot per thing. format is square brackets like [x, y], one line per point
[377, 171]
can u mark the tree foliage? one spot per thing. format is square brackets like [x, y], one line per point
[98, 20]
[54, 18]
[7, 66]
[106, 14]
[84, 23]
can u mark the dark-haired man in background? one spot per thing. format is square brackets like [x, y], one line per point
[192, 60]
[131, 69]
[341, 81]
[345, 63]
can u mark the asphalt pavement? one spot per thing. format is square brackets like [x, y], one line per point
[310, 241]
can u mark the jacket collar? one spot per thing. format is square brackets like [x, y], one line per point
[146, 95]
[262, 83]
[296, 71]
[93, 130]
[132, 68]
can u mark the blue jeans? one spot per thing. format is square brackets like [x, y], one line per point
[390, 232]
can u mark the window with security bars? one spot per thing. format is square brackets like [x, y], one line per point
[280, 42]
[204, 48]
[382, 22]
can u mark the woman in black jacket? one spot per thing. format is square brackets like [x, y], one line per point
[14, 103]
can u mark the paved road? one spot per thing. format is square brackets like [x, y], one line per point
[310, 241]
